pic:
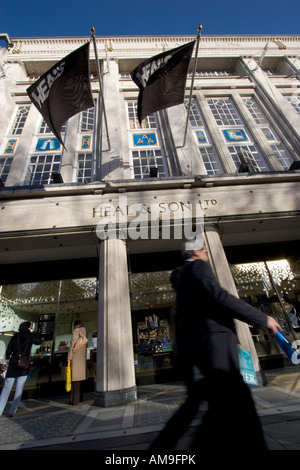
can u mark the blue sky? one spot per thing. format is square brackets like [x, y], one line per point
[141, 17]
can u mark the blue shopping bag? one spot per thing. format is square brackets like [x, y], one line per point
[247, 367]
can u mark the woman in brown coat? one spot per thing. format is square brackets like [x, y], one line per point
[78, 363]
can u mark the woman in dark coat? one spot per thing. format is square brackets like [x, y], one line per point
[20, 343]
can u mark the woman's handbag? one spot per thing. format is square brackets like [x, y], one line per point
[23, 362]
[68, 377]
[80, 342]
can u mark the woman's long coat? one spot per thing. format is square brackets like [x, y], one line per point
[78, 360]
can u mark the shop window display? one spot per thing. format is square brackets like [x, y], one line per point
[153, 343]
[152, 303]
[52, 307]
[274, 288]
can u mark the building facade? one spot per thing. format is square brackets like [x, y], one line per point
[94, 230]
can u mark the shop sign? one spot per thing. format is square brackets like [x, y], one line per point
[110, 210]
[161, 220]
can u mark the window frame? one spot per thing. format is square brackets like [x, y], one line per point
[19, 120]
[206, 149]
[232, 124]
[144, 157]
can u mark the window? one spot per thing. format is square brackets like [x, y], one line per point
[207, 151]
[295, 102]
[10, 143]
[195, 117]
[87, 120]
[255, 111]
[272, 287]
[40, 169]
[85, 154]
[20, 119]
[84, 167]
[148, 163]
[45, 129]
[78, 300]
[148, 123]
[276, 145]
[213, 73]
[47, 159]
[247, 154]
[5, 164]
[147, 154]
[236, 136]
[282, 154]
[224, 112]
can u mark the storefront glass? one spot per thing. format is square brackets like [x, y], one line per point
[152, 301]
[52, 307]
[274, 288]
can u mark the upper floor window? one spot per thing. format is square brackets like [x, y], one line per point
[148, 123]
[236, 136]
[214, 73]
[295, 102]
[269, 133]
[20, 119]
[207, 151]
[224, 112]
[85, 146]
[255, 111]
[45, 129]
[145, 144]
[87, 120]
[5, 164]
[84, 167]
[41, 169]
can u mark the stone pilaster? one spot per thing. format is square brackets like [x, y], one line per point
[115, 379]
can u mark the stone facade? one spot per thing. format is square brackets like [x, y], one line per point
[43, 222]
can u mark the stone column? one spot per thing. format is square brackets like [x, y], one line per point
[115, 379]
[290, 118]
[222, 270]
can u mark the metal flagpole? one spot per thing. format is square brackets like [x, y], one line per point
[263, 54]
[199, 29]
[100, 83]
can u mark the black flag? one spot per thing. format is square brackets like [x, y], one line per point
[64, 90]
[161, 80]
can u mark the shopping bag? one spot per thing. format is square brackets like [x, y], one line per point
[68, 377]
[287, 347]
[247, 367]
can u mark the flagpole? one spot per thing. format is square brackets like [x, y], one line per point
[100, 83]
[199, 29]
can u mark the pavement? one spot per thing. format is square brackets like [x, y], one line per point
[54, 424]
